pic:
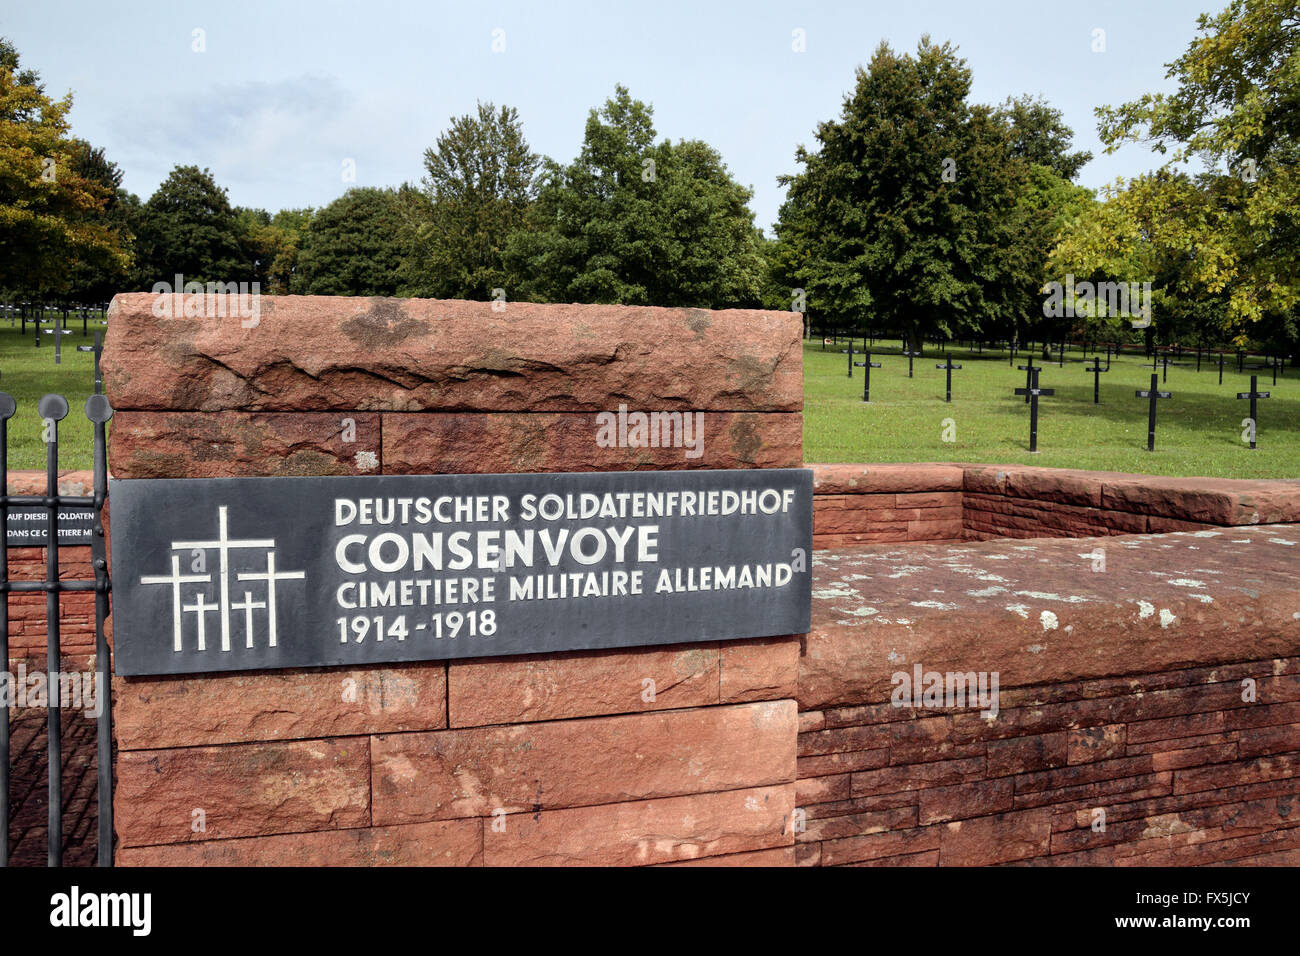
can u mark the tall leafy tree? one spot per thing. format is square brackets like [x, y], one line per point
[636, 222]
[188, 227]
[270, 244]
[480, 177]
[99, 278]
[909, 211]
[356, 245]
[54, 191]
[1234, 110]
[1040, 135]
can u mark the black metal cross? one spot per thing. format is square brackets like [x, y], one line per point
[866, 367]
[850, 351]
[910, 356]
[97, 348]
[947, 364]
[1220, 368]
[1254, 394]
[1031, 391]
[1029, 371]
[58, 332]
[1096, 371]
[1163, 362]
[1152, 393]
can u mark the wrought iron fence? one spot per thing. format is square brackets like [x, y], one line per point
[53, 409]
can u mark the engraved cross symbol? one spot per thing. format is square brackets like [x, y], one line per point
[176, 579]
[201, 607]
[247, 606]
[224, 546]
[270, 576]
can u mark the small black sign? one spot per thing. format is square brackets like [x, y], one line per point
[29, 525]
[262, 573]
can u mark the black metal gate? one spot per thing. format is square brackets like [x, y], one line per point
[53, 409]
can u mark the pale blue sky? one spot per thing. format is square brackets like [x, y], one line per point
[285, 92]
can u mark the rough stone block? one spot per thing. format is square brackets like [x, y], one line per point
[241, 790]
[444, 843]
[645, 832]
[509, 690]
[436, 443]
[319, 353]
[568, 763]
[157, 712]
[236, 444]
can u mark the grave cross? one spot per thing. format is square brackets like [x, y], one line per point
[1152, 393]
[910, 356]
[1031, 391]
[1162, 362]
[1029, 371]
[1254, 394]
[947, 364]
[1096, 371]
[1220, 368]
[850, 351]
[866, 367]
[97, 348]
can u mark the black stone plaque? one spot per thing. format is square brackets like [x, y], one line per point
[28, 525]
[261, 573]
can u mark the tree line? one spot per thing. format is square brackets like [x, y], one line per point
[916, 212]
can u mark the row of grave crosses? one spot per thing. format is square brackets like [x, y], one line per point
[201, 606]
[1032, 391]
[867, 365]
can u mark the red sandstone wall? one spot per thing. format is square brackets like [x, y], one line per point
[1185, 771]
[564, 758]
[1153, 678]
[27, 631]
[863, 504]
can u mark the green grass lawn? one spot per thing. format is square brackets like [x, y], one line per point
[28, 372]
[1198, 431]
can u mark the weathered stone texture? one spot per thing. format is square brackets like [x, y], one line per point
[318, 353]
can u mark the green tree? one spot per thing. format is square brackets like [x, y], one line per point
[1039, 135]
[636, 222]
[910, 212]
[54, 192]
[270, 244]
[188, 227]
[99, 278]
[480, 177]
[1234, 109]
[356, 245]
